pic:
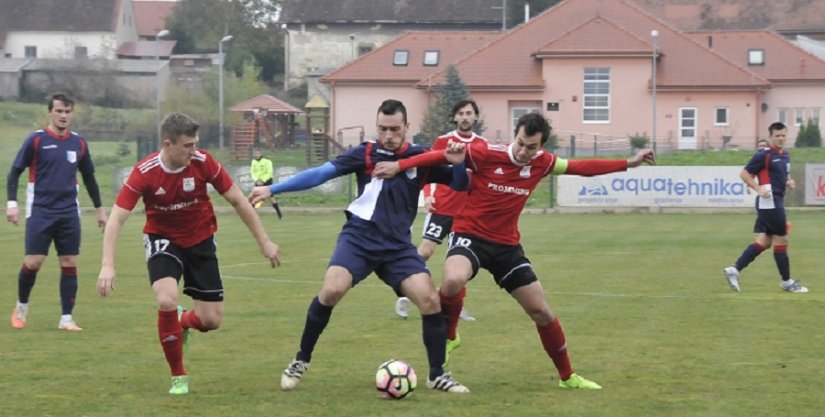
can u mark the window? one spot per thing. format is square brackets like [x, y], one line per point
[365, 48]
[799, 118]
[782, 115]
[400, 57]
[517, 112]
[722, 116]
[815, 115]
[80, 52]
[31, 52]
[431, 58]
[756, 57]
[596, 106]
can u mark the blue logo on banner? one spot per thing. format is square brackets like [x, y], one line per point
[593, 189]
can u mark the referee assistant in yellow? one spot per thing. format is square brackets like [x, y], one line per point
[261, 172]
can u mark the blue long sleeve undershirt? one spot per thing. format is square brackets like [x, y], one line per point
[306, 179]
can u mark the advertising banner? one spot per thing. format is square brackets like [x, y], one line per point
[646, 186]
[815, 184]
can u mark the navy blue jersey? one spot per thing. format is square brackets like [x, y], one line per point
[53, 162]
[391, 203]
[771, 166]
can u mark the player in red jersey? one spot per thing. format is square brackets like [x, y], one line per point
[485, 233]
[179, 236]
[441, 201]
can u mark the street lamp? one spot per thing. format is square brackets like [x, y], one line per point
[226, 38]
[161, 34]
[655, 35]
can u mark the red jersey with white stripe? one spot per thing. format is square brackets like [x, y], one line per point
[498, 191]
[177, 201]
[448, 201]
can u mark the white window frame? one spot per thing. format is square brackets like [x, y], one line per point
[756, 56]
[816, 115]
[431, 57]
[799, 116]
[716, 121]
[782, 115]
[517, 112]
[401, 57]
[596, 78]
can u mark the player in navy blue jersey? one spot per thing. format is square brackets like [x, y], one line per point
[376, 237]
[53, 156]
[768, 173]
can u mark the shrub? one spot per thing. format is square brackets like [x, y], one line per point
[638, 141]
[809, 136]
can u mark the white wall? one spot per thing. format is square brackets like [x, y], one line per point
[61, 44]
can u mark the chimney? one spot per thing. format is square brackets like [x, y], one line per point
[526, 12]
[710, 41]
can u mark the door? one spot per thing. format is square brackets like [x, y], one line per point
[687, 127]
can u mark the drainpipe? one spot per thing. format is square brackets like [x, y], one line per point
[286, 58]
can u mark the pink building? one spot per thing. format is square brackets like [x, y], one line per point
[587, 66]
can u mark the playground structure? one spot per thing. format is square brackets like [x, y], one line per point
[320, 146]
[268, 123]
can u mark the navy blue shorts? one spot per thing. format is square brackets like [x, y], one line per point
[508, 265]
[363, 249]
[773, 221]
[41, 231]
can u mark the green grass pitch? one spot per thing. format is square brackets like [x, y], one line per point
[642, 299]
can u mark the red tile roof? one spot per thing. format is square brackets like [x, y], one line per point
[784, 61]
[597, 36]
[265, 101]
[508, 62]
[377, 66]
[150, 16]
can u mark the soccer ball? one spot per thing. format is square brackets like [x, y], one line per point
[395, 379]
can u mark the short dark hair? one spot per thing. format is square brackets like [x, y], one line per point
[61, 98]
[463, 103]
[177, 124]
[776, 126]
[534, 123]
[390, 107]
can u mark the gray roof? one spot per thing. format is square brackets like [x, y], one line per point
[58, 15]
[13, 64]
[123, 65]
[399, 11]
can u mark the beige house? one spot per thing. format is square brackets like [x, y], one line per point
[320, 35]
[587, 65]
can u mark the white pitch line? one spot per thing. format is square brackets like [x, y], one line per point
[721, 295]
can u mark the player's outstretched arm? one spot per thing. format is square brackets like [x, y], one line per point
[453, 154]
[301, 181]
[247, 213]
[111, 232]
[644, 155]
[456, 152]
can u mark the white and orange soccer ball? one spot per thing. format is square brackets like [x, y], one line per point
[395, 379]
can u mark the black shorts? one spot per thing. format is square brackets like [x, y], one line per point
[198, 265]
[437, 227]
[510, 268]
[267, 182]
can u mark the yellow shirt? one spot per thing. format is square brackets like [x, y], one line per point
[261, 169]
